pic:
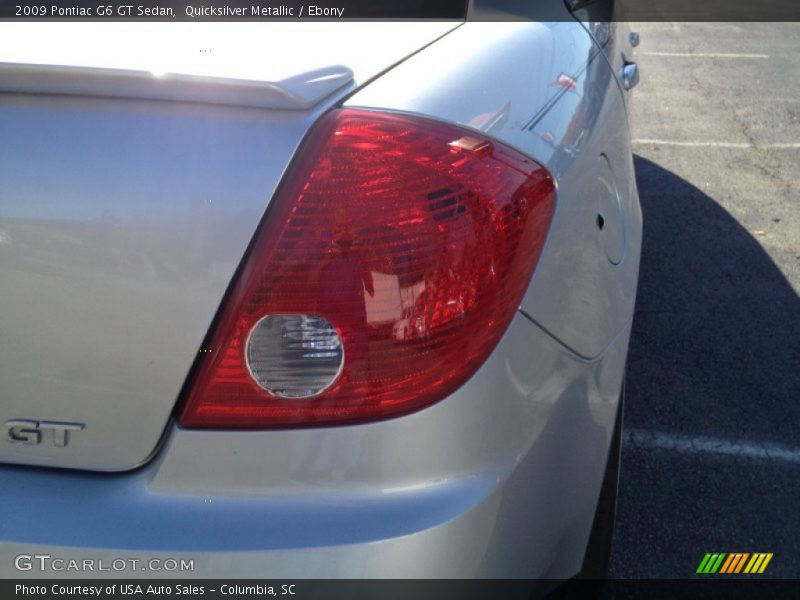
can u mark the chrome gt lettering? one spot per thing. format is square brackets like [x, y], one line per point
[29, 432]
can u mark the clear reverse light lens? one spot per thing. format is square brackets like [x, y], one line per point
[294, 356]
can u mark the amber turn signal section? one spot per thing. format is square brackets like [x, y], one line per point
[411, 240]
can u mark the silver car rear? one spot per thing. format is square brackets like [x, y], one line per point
[122, 224]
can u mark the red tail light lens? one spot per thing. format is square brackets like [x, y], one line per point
[411, 241]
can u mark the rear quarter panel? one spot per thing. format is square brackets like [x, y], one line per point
[546, 89]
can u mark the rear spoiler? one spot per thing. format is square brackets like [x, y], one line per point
[297, 92]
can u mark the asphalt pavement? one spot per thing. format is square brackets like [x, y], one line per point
[711, 451]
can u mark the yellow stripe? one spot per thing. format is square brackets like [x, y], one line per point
[741, 562]
[765, 563]
[749, 567]
[759, 559]
[727, 562]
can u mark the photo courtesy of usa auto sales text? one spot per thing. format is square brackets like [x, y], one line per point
[127, 589]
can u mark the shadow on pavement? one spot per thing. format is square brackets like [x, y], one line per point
[715, 348]
[715, 352]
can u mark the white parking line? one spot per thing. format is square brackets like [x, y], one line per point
[703, 55]
[745, 145]
[684, 444]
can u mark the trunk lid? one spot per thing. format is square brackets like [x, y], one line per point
[124, 217]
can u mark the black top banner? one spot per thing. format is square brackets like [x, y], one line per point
[227, 10]
[331, 10]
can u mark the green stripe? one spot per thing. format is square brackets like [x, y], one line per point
[711, 562]
[712, 559]
[718, 564]
[702, 567]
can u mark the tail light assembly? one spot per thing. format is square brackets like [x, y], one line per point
[386, 270]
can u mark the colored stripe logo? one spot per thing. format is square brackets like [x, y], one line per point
[734, 563]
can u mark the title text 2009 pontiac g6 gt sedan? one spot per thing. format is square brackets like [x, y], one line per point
[314, 300]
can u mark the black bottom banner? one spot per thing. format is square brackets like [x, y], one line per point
[394, 589]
